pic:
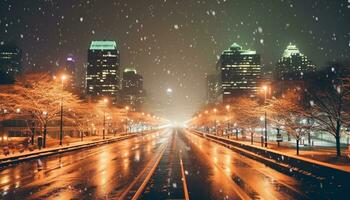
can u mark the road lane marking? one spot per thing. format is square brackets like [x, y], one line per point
[149, 175]
[187, 197]
[266, 174]
[240, 192]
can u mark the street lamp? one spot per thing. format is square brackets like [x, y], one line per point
[105, 101]
[45, 128]
[265, 88]
[216, 130]
[228, 107]
[126, 121]
[63, 78]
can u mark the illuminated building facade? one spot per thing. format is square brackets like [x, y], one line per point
[70, 70]
[132, 93]
[213, 88]
[10, 63]
[293, 65]
[102, 73]
[240, 72]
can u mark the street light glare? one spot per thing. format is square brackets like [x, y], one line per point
[169, 90]
[63, 77]
[105, 100]
[264, 87]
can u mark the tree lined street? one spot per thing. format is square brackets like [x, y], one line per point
[210, 170]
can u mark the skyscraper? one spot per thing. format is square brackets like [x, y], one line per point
[213, 88]
[132, 93]
[10, 63]
[102, 73]
[240, 72]
[293, 65]
[70, 70]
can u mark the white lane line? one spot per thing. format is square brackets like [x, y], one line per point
[240, 192]
[137, 178]
[148, 177]
[187, 197]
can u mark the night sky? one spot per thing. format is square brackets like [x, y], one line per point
[174, 43]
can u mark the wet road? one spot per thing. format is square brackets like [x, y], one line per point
[95, 173]
[215, 172]
[172, 164]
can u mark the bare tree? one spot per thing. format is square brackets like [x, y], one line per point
[248, 112]
[40, 97]
[289, 114]
[329, 94]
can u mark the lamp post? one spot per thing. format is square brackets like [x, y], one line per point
[215, 110]
[228, 119]
[142, 122]
[265, 88]
[126, 120]
[105, 101]
[63, 78]
[45, 128]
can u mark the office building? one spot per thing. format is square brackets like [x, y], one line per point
[103, 73]
[293, 65]
[10, 63]
[213, 88]
[132, 93]
[240, 72]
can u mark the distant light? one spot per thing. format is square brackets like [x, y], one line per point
[70, 59]
[169, 90]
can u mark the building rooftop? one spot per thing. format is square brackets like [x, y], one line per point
[291, 50]
[237, 48]
[130, 70]
[103, 45]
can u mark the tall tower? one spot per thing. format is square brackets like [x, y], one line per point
[240, 72]
[132, 91]
[102, 73]
[70, 70]
[10, 63]
[213, 88]
[293, 65]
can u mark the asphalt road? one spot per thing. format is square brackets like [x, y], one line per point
[103, 172]
[171, 164]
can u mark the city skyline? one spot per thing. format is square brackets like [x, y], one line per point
[174, 99]
[175, 43]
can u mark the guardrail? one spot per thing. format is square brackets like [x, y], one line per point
[288, 163]
[4, 162]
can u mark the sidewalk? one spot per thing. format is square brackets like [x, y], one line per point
[53, 144]
[54, 149]
[326, 155]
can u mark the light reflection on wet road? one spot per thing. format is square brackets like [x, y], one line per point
[212, 171]
[96, 173]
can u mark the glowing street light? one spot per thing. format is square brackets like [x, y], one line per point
[105, 101]
[127, 108]
[215, 123]
[265, 89]
[63, 78]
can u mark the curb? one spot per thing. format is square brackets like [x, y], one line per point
[286, 164]
[5, 162]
